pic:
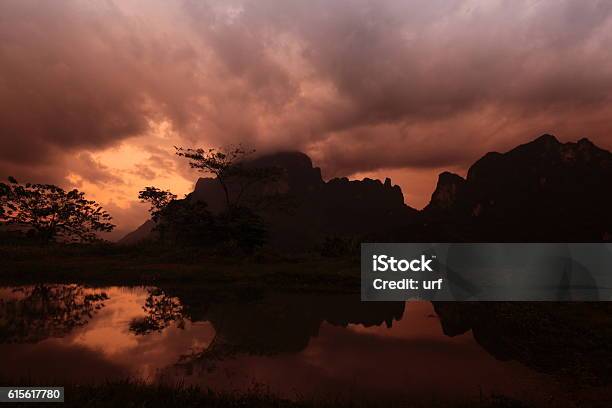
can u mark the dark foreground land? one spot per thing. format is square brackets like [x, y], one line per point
[137, 394]
[152, 264]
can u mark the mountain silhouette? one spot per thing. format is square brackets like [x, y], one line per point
[560, 338]
[541, 191]
[316, 209]
[263, 324]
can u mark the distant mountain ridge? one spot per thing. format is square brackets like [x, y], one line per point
[543, 190]
[320, 209]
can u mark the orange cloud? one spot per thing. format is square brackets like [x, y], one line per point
[95, 94]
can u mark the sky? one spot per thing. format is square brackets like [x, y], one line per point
[95, 94]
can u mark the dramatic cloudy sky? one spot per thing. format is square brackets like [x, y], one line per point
[94, 94]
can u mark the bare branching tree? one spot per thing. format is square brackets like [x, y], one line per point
[230, 168]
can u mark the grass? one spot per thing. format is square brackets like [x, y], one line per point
[151, 264]
[131, 393]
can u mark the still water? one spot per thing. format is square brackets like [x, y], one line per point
[290, 344]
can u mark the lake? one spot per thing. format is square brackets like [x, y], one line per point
[291, 344]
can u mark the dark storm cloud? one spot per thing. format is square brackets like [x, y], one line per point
[359, 84]
[78, 75]
[91, 170]
[420, 83]
[58, 88]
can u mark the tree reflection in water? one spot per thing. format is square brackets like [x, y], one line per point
[257, 324]
[567, 339]
[38, 312]
[161, 310]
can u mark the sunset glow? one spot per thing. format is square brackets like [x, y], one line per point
[95, 94]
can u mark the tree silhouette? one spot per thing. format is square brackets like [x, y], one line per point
[189, 221]
[34, 313]
[161, 311]
[52, 213]
[246, 191]
[185, 220]
[231, 170]
[158, 199]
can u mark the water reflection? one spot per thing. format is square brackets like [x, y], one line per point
[295, 343]
[572, 340]
[161, 311]
[104, 348]
[33, 313]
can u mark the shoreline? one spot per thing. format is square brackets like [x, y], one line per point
[145, 265]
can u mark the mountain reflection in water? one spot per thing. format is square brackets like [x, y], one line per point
[294, 343]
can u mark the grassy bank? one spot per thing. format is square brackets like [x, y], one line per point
[150, 264]
[136, 394]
